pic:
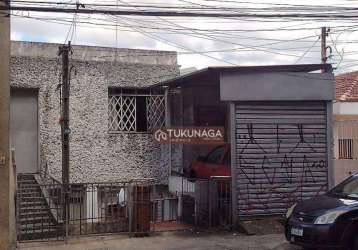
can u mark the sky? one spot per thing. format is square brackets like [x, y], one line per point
[203, 42]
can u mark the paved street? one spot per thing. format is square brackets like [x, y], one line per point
[169, 241]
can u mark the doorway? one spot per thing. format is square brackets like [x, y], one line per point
[24, 129]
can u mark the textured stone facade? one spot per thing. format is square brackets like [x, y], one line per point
[96, 155]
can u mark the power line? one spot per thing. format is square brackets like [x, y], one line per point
[179, 46]
[303, 55]
[175, 13]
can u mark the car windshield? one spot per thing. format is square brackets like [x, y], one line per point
[348, 188]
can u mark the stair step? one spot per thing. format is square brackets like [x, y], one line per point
[39, 214]
[40, 234]
[29, 189]
[34, 194]
[25, 177]
[33, 209]
[22, 185]
[28, 192]
[27, 183]
[32, 198]
[33, 204]
[26, 180]
[38, 226]
[35, 220]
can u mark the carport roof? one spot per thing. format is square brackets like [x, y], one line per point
[215, 72]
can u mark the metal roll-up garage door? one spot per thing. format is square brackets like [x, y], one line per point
[281, 155]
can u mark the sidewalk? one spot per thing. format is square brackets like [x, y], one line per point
[168, 241]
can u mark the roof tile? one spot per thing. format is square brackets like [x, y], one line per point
[347, 86]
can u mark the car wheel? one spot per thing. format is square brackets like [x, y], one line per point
[355, 243]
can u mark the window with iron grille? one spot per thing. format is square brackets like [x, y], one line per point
[345, 148]
[135, 111]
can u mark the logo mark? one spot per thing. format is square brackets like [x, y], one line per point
[160, 135]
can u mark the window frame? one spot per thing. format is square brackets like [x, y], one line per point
[345, 149]
[119, 92]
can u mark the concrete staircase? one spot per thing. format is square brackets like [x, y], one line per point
[34, 217]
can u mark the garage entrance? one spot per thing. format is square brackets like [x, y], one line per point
[281, 153]
[24, 129]
[277, 122]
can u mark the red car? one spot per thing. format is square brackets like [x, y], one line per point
[215, 163]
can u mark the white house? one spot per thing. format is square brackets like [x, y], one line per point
[345, 111]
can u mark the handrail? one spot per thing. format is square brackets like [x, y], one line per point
[47, 197]
[45, 175]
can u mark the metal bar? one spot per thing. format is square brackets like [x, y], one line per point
[233, 164]
[330, 154]
[130, 95]
[210, 183]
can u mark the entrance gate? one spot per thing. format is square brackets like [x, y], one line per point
[93, 208]
[206, 203]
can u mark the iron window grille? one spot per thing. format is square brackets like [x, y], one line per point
[345, 148]
[135, 112]
[346, 139]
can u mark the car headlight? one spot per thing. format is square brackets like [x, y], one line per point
[329, 217]
[290, 211]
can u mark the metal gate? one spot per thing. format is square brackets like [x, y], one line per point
[281, 155]
[206, 203]
[92, 208]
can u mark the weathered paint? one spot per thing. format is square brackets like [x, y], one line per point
[96, 155]
[24, 129]
[281, 155]
[277, 86]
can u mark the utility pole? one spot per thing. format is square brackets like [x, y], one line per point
[324, 47]
[64, 51]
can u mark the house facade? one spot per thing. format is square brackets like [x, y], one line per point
[112, 113]
[278, 123]
[346, 126]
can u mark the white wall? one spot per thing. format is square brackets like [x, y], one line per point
[345, 108]
[344, 128]
[343, 169]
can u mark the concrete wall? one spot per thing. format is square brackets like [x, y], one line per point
[345, 127]
[343, 169]
[96, 154]
[345, 108]
[96, 54]
[7, 218]
[280, 86]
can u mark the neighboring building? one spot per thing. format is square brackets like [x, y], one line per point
[112, 113]
[187, 70]
[278, 121]
[346, 125]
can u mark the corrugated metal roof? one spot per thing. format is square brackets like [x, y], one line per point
[216, 71]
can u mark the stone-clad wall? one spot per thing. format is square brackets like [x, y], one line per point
[96, 155]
